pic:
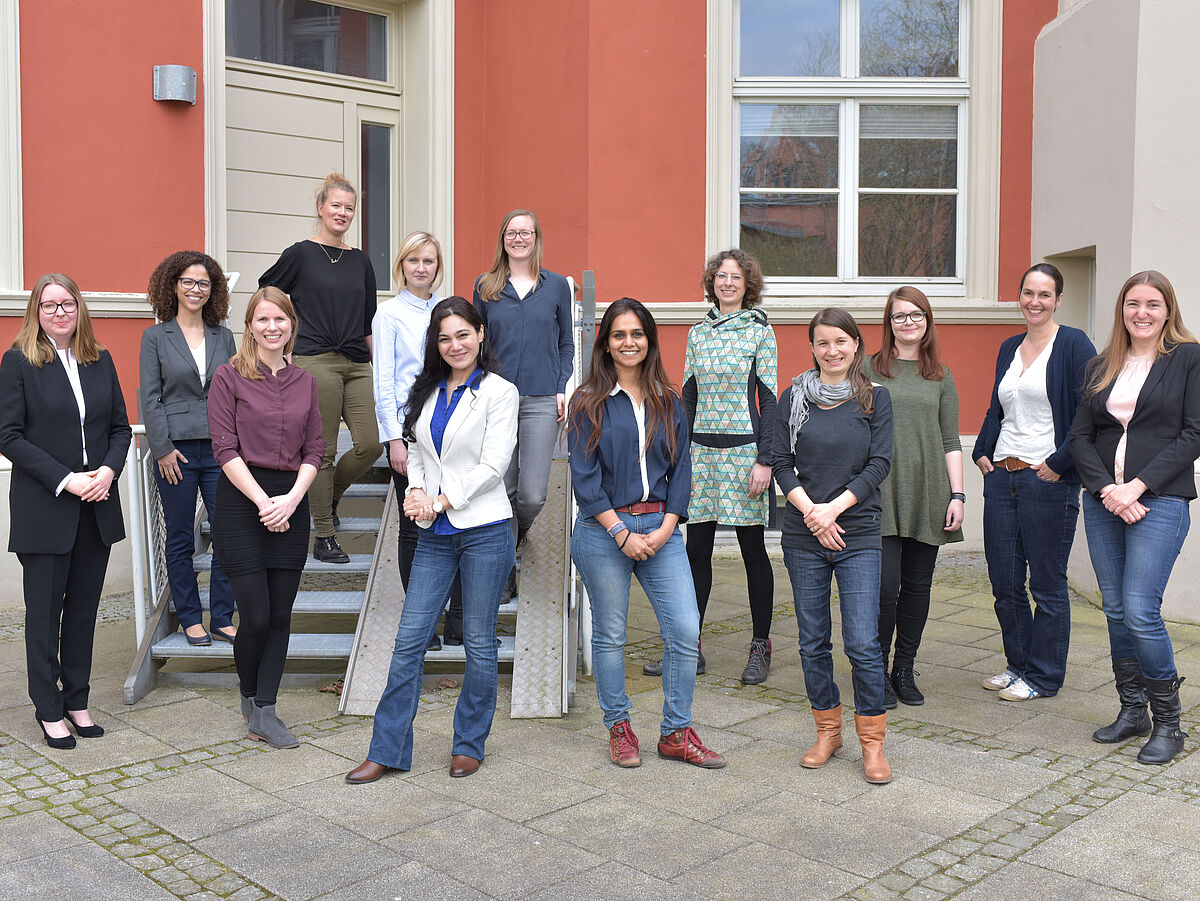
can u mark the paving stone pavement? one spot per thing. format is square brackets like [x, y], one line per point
[991, 799]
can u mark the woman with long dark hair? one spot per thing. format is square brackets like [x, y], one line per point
[922, 497]
[460, 423]
[179, 357]
[64, 429]
[1031, 488]
[1134, 441]
[265, 421]
[833, 449]
[333, 287]
[630, 470]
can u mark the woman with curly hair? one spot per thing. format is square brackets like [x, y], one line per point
[179, 356]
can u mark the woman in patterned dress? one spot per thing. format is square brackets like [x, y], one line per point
[729, 395]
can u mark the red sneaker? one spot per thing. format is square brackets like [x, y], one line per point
[623, 745]
[685, 745]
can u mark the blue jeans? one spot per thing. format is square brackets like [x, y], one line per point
[1132, 564]
[667, 581]
[200, 473]
[857, 573]
[1028, 527]
[482, 557]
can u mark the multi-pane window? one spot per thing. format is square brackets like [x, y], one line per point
[850, 117]
[310, 35]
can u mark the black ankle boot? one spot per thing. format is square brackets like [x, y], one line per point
[1133, 718]
[1167, 739]
[906, 687]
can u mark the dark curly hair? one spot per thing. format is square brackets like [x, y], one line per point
[750, 269]
[161, 292]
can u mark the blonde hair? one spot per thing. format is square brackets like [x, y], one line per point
[246, 360]
[411, 245]
[1107, 366]
[492, 282]
[33, 342]
[334, 181]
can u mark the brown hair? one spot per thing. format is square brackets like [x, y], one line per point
[751, 271]
[246, 360]
[162, 296]
[35, 345]
[1107, 366]
[660, 398]
[492, 282]
[411, 245]
[929, 354]
[835, 317]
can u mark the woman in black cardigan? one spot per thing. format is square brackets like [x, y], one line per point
[1134, 441]
[65, 513]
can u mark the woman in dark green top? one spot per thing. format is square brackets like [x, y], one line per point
[923, 495]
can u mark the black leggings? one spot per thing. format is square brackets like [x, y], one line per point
[905, 580]
[264, 601]
[760, 578]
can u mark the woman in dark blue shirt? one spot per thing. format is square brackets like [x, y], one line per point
[833, 449]
[631, 474]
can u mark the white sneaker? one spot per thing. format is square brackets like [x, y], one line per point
[1020, 690]
[1000, 681]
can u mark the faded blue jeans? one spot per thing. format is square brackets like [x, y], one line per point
[482, 556]
[857, 573]
[1133, 564]
[667, 581]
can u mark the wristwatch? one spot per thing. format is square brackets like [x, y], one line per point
[438, 507]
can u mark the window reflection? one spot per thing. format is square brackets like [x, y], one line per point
[308, 34]
[791, 234]
[790, 38]
[909, 38]
[907, 235]
[375, 206]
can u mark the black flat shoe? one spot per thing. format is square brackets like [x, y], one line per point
[61, 744]
[200, 641]
[92, 731]
[221, 635]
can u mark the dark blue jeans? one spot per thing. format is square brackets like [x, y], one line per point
[1133, 564]
[482, 557]
[200, 473]
[857, 573]
[1028, 527]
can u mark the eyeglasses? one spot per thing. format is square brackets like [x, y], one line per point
[49, 307]
[524, 234]
[901, 318]
[189, 284]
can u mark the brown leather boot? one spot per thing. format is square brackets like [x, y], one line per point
[871, 730]
[829, 738]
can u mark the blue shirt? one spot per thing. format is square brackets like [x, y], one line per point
[442, 412]
[398, 342]
[532, 335]
[611, 475]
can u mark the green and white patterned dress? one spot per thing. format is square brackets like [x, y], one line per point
[730, 364]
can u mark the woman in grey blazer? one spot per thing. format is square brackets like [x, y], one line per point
[178, 358]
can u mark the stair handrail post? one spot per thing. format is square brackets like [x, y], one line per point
[137, 536]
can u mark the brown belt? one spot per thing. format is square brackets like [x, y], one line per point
[1012, 464]
[643, 507]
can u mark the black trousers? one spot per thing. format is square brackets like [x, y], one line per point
[264, 602]
[760, 577]
[905, 580]
[62, 594]
[407, 548]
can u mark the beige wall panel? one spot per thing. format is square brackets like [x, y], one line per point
[266, 232]
[283, 113]
[282, 154]
[291, 195]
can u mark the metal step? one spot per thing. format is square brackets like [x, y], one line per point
[346, 524]
[349, 602]
[368, 489]
[359, 563]
[305, 645]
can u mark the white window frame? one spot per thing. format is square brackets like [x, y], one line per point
[975, 283]
[11, 262]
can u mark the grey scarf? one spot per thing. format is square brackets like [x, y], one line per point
[808, 388]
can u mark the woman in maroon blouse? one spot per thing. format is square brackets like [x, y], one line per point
[265, 423]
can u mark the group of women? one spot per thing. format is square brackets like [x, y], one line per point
[469, 397]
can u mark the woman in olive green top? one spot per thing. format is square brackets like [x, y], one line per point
[923, 495]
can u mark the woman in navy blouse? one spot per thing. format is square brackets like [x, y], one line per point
[460, 423]
[265, 422]
[631, 473]
[527, 312]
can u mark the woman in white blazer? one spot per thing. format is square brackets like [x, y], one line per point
[460, 424]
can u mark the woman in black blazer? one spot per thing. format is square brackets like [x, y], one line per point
[1135, 439]
[178, 359]
[65, 513]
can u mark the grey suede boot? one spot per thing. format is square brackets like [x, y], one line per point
[247, 708]
[266, 726]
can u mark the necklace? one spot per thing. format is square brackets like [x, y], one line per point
[326, 252]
